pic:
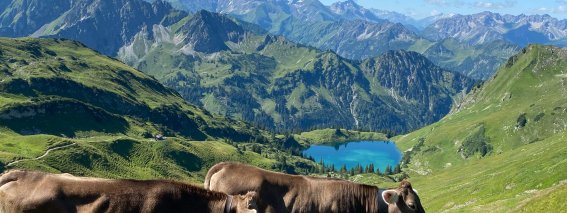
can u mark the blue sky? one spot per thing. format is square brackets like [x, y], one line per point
[424, 8]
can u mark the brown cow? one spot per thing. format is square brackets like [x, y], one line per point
[278, 192]
[27, 191]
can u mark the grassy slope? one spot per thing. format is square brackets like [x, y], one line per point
[124, 157]
[500, 183]
[104, 107]
[331, 135]
[524, 161]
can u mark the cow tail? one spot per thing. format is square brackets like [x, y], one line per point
[213, 170]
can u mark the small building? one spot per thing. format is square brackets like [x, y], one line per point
[159, 137]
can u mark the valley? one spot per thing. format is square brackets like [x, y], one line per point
[293, 86]
[473, 106]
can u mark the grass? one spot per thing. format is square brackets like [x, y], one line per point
[332, 136]
[125, 157]
[25, 146]
[58, 92]
[498, 183]
[526, 161]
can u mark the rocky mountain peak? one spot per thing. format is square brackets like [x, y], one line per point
[207, 32]
[487, 27]
[351, 10]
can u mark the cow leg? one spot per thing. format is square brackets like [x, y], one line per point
[101, 204]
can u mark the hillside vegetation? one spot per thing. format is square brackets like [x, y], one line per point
[229, 69]
[502, 149]
[66, 108]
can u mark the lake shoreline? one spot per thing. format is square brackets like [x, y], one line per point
[330, 136]
[381, 153]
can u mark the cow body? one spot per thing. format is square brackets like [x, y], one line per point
[25, 191]
[280, 192]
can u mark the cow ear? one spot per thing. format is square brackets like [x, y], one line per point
[251, 198]
[390, 196]
[252, 195]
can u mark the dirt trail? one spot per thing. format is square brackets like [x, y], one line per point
[42, 156]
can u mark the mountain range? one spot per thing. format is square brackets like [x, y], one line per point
[234, 68]
[135, 28]
[350, 30]
[278, 84]
[145, 90]
[336, 27]
[82, 18]
[487, 26]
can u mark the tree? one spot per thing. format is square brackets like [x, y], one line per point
[397, 169]
[256, 148]
[388, 170]
[323, 169]
[344, 169]
[359, 169]
[378, 172]
[338, 131]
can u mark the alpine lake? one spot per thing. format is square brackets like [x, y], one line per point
[351, 154]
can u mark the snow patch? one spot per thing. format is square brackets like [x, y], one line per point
[353, 109]
[365, 35]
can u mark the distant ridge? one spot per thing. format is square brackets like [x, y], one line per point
[279, 85]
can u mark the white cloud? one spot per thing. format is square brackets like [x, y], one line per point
[558, 9]
[494, 5]
[437, 2]
[435, 13]
[445, 3]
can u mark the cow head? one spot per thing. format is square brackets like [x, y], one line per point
[402, 199]
[246, 203]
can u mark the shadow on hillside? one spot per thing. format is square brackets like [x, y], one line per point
[60, 117]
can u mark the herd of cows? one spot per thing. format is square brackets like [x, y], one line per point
[229, 188]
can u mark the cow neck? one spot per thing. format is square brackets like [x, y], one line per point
[228, 204]
[382, 205]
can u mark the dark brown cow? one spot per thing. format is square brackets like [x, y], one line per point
[27, 191]
[278, 192]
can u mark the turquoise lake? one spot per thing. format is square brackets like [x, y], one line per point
[381, 153]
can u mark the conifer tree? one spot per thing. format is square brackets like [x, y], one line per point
[344, 169]
[388, 170]
[397, 169]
